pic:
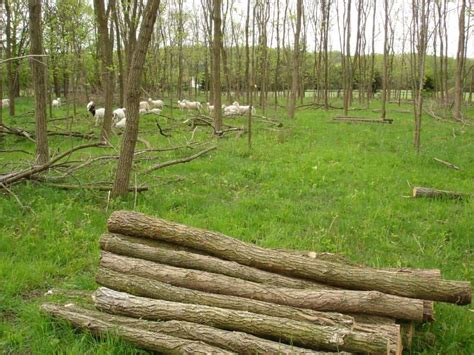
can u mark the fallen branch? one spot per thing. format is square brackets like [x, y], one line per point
[15, 151]
[94, 187]
[448, 164]
[361, 119]
[179, 161]
[17, 131]
[428, 192]
[25, 174]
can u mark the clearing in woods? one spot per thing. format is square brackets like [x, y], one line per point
[311, 184]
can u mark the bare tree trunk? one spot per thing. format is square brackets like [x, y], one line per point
[106, 47]
[295, 61]
[180, 49]
[460, 63]
[385, 60]
[124, 166]
[11, 65]
[120, 61]
[216, 68]
[38, 68]
[1, 69]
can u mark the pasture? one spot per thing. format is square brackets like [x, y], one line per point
[309, 185]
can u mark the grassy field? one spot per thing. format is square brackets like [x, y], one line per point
[312, 184]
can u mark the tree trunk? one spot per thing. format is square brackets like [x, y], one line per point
[295, 61]
[385, 62]
[147, 287]
[300, 333]
[106, 48]
[124, 166]
[137, 332]
[343, 301]
[460, 63]
[38, 68]
[11, 52]
[216, 64]
[171, 254]
[239, 342]
[346, 276]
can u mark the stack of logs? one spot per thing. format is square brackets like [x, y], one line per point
[168, 287]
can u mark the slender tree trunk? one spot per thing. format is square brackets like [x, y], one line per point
[1, 70]
[460, 63]
[124, 166]
[295, 62]
[180, 49]
[120, 60]
[385, 61]
[11, 65]
[216, 69]
[38, 68]
[370, 92]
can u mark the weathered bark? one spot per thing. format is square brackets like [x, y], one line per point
[239, 342]
[295, 61]
[216, 63]
[176, 255]
[344, 301]
[346, 276]
[133, 332]
[147, 287]
[419, 191]
[287, 330]
[38, 68]
[124, 166]
[391, 331]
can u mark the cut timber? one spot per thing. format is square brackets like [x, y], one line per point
[145, 287]
[343, 301]
[391, 331]
[145, 339]
[239, 342]
[175, 255]
[345, 276]
[361, 120]
[446, 163]
[300, 333]
[434, 193]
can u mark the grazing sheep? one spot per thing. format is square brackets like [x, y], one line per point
[56, 103]
[118, 114]
[142, 111]
[144, 105]
[191, 105]
[5, 102]
[155, 111]
[98, 114]
[156, 103]
[210, 108]
[121, 124]
[232, 110]
[245, 109]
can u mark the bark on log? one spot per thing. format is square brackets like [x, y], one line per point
[300, 333]
[145, 339]
[391, 331]
[238, 342]
[419, 191]
[175, 255]
[145, 287]
[343, 301]
[345, 276]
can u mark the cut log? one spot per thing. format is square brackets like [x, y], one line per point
[300, 333]
[446, 163]
[343, 301]
[345, 276]
[145, 287]
[145, 339]
[171, 254]
[361, 120]
[428, 192]
[177, 255]
[391, 331]
[238, 342]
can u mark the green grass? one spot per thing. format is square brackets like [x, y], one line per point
[316, 185]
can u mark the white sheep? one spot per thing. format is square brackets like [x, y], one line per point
[210, 107]
[142, 111]
[144, 105]
[156, 103]
[181, 105]
[119, 114]
[98, 114]
[155, 111]
[121, 124]
[192, 105]
[5, 102]
[232, 110]
[245, 109]
[56, 103]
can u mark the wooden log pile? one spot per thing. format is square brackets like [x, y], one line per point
[168, 287]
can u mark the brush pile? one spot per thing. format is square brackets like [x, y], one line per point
[168, 287]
